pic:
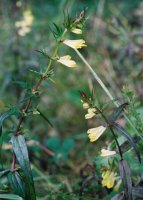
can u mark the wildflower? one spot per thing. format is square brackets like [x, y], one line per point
[89, 115]
[92, 110]
[77, 31]
[24, 26]
[109, 178]
[19, 4]
[95, 133]
[85, 105]
[66, 60]
[75, 44]
[105, 152]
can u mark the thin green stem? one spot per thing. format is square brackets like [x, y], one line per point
[54, 53]
[105, 89]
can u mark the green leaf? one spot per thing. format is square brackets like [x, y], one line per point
[129, 138]
[125, 174]
[116, 113]
[36, 73]
[43, 52]
[4, 172]
[23, 84]
[21, 152]
[45, 118]
[17, 183]
[68, 145]
[11, 111]
[53, 143]
[57, 32]
[29, 96]
[10, 197]
[119, 196]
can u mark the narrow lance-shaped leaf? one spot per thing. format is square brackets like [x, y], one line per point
[21, 152]
[45, 118]
[4, 172]
[10, 197]
[116, 113]
[5, 115]
[17, 183]
[129, 138]
[125, 174]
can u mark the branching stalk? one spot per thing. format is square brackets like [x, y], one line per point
[35, 89]
[103, 86]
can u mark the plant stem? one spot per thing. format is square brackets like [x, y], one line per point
[105, 89]
[35, 88]
[55, 53]
[119, 148]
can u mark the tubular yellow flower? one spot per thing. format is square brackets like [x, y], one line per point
[24, 26]
[108, 179]
[89, 115]
[66, 60]
[95, 133]
[91, 110]
[85, 105]
[77, 31]
[28, 17]
[105, 152]
[75, 44]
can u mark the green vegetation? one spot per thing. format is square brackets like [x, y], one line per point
[71, 112]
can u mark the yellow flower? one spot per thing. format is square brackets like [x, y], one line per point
[85, 105]
[24, 31]
[95, 133]
[28, 17]
[75, 44]
[66, 60]
[91, 110]
[91, 113]
[108, 179]
[24, 26]
[105, 152]
[19, 4]
[77, 31]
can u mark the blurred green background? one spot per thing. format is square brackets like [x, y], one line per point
[114, 37]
